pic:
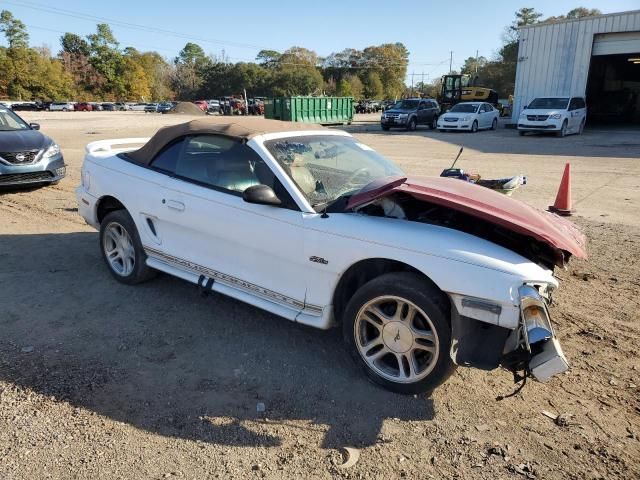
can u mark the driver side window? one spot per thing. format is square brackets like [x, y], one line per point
[221, 163]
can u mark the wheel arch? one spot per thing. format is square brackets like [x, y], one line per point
[362, 272]
[107, 204]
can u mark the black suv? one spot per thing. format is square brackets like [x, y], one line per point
[411, 112]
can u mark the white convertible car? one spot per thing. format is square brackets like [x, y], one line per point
[422, 274]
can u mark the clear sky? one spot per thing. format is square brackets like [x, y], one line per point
[429, 29]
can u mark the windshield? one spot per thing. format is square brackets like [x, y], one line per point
[328, 167]
[406, 104]
[549, 103]
[9, 121]
[465, 108]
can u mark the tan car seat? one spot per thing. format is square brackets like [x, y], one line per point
[301, 174]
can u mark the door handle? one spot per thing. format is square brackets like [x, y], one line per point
[175, 205]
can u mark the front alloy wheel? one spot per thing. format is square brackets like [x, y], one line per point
[396, 339]
[397, 329]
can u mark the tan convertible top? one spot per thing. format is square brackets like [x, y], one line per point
[242, 130]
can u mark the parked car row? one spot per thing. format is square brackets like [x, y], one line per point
[559, 115]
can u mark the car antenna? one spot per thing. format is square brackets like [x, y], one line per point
[457, 157]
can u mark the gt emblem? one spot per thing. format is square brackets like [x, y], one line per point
[318, 260]
[397, 337]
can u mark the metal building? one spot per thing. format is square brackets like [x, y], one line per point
[596, 57]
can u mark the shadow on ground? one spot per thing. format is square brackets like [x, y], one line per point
[597, 141]
[161, 358]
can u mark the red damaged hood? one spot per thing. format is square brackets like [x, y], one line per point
[483, 203]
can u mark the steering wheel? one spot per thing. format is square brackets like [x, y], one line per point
[358, 173]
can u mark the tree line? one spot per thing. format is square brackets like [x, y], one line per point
[96, 67]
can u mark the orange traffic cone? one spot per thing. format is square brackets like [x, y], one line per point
[562, 205]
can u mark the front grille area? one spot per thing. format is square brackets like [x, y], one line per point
[391, 115]
[451, 119]
[537, 118]
[19, 158]
[13, 178]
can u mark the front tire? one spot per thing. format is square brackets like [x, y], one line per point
[412, 125]
[494, 124]
[122, 250]
[474, 126]
[397, 329]
[563, 130]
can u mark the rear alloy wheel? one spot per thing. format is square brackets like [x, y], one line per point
[411, 126]
[494, 125]
[122, 250]
[396, 327]
[474, 126]
[563, 130]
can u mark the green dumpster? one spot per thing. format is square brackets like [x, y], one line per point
[323, 110]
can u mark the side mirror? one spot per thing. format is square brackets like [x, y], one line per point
[34, 126]
[261, 195]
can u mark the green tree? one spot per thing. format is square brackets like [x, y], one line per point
[74, 44]
[344, 88]
[471, 64]
[357, 88]
[14, 30]
[373, 87]
[107, 60]
[389, 61]
[268, 58]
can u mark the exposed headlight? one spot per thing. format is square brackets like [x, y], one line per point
[464, 119]
[556, 116]
[535, 315]
[54, 149]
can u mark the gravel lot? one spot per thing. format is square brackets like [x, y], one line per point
[100, 380]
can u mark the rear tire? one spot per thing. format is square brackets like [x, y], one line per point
[122, 249]
[434, 123]
[397, 329]
[581, 127]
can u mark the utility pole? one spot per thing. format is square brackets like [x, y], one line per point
[451, 62]
[412, 74]
[476, 62]
[422, 84]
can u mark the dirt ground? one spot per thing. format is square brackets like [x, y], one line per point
[99, 380]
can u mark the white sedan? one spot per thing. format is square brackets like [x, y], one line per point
[314, 226]
[471, 116]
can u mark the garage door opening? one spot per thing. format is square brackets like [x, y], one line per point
[613, 86]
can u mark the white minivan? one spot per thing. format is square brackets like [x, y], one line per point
[561, 115]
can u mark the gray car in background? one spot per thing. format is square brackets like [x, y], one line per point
[26, 155]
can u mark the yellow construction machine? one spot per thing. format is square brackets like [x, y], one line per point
[464, 88]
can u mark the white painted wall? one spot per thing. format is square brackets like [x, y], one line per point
[554, 59]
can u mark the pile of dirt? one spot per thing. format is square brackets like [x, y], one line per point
[186, 108]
